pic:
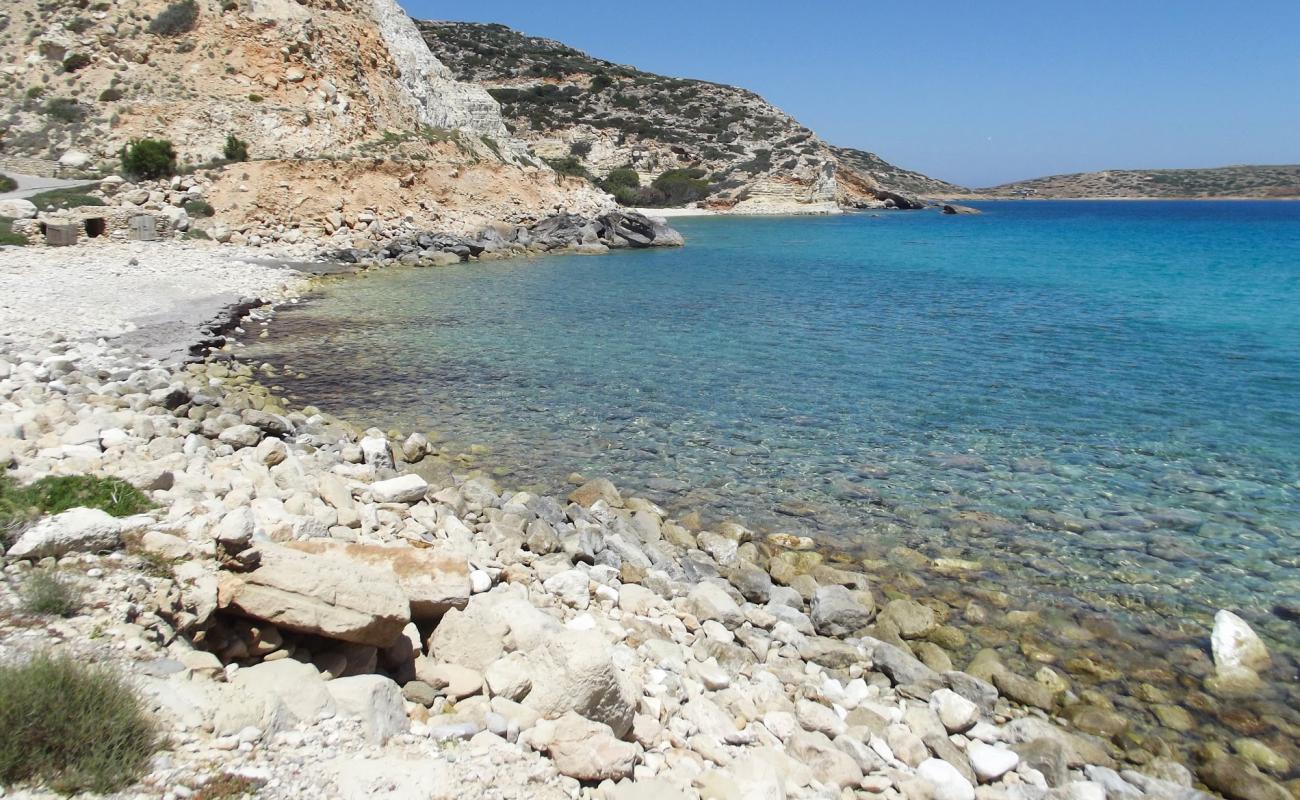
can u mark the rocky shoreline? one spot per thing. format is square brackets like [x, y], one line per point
[306, 610]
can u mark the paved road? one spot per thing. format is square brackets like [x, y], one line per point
[29, 185]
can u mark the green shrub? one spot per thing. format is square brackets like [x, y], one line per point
[600, 83]
[569, 166]
[80, 25]
[255, 98]
[7, 236]
[35, 92]
[64, 109]
[44, 592]
[681, 186]
[75, 62]
[110, 95]
[7, 184]
[236, 148]
[230, 5]
[623, 176]
[177, 18]
[198, 208]
[72, 727]
[149, 159]
[580, 149]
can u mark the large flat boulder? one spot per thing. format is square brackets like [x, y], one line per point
[435, 580]
[327, 596]
[85, 530]
[575, 671]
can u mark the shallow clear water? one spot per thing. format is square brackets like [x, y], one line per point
[1099, 402]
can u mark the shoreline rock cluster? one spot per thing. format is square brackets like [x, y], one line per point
[306, 609]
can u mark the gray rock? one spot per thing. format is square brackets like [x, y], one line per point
[375, 700]
[838, 612]
[710, 601]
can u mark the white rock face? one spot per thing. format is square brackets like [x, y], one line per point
[75, 530]
[75, 159]
[1235, 644]
[440, 100]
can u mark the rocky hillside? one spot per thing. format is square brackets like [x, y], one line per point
[1238, 181]
[298, 80]
[655, 140]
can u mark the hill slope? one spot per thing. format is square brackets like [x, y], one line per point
[1227, 182]
[298, 80]
[684, 139]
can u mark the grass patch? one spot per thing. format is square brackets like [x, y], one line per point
[44, 592]
[72, 727]
[227, 786]
[198, 208]
[7, 235]
[19, 505]
[71, 197]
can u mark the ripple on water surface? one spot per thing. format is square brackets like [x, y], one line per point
[1095, 401]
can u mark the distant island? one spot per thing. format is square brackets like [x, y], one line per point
[1246, 181]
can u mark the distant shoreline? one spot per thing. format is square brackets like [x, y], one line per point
[1127, 199]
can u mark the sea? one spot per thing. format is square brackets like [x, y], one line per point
[1087, 410]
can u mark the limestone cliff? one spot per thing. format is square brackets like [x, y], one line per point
[684, 139]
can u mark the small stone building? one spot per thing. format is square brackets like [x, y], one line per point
[85, 224]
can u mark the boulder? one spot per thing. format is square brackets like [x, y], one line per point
[402, 489]
[710, 601]
[241, 435]
[957, 714]
[75, 159]
[575, 671]
[82, 530]
[335, 598]
[434, 580]
[272, 691]
[1235, 645]
[913, 620]
[836, 611]
[990, 763]
[1237, 779]
[17, 208]
[376, 700]
[585, 750]
[1079, 749]
[947, 782]
[588, 493]
[900, 666]
[953, 209]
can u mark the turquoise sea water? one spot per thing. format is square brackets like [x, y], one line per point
[1098, 402]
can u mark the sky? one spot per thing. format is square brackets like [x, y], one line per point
[978, 93]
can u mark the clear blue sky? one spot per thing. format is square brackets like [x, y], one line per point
[974, 92]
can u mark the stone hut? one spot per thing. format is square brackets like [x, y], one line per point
[87, 224]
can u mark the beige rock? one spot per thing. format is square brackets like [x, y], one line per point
[586, 750]
[434, 580]
[329, 597]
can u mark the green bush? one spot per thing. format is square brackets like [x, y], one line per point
[623, 176]
[35, 92]
[236, 149]
[44, 592]
[580, 149]
[75, 62]
[149, 159]
[73, 727]
[8, 237]
[681, 186]
[255, 98]
[64, 109]
[80, 25]
[7, 184]
[177, 18]
[199, 208]
[569, 166]
[110, 95]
